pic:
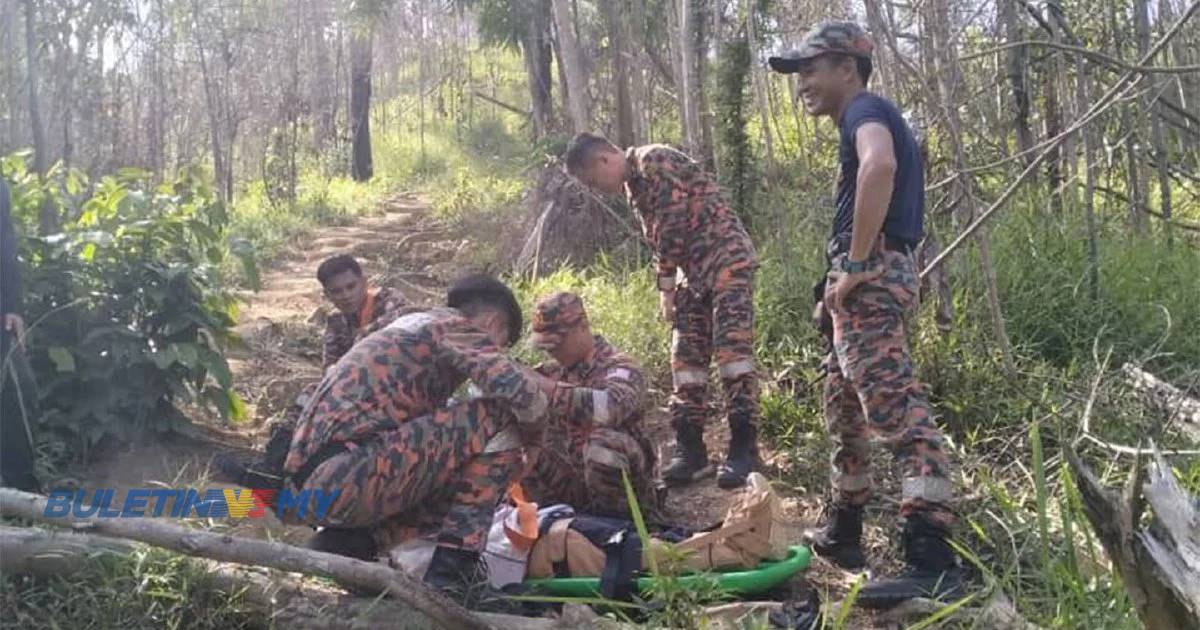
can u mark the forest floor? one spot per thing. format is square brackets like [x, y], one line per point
[406, 247]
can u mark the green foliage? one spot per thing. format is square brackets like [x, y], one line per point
[127, 309]
[735, 156]
[1146, 302]
[622, 305]
[267, 228]
[146, 589]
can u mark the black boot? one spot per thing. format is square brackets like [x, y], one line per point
[742, 456]
[690, 462]
[933, 570]
[453, 570]
[355, 543]
[840, 539]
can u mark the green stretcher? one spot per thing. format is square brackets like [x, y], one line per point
[768, 575]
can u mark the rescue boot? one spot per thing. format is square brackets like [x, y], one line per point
[357, 543]
[932, 572]
[839, 540]
[690, 462]
[742, 456]
[453, 569]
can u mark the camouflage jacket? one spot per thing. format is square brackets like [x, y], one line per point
[608, 390]
[342, 331]
[407, 369]
[684, 216]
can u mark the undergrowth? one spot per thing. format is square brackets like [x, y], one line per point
[148, 588]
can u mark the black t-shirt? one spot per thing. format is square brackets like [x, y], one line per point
[905, 215]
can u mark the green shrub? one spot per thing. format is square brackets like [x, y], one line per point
[128, 314]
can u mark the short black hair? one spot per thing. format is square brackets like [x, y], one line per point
[335, 265]
[863, 65]
[476, 293]
[581, 149]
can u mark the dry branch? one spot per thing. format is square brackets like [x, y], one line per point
[1166, 398]
[1159, 564]
[288, 601]
[275, 555]
[1123, 85]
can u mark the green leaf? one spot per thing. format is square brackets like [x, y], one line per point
[218, 367]
[164, 357]
[187, 354]
[237, 407]
[63, 360]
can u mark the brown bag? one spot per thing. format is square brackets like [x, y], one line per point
[751, 532]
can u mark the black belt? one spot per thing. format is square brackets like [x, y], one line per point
[840, 244]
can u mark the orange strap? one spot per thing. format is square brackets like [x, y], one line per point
[526, 531]
[367, 311]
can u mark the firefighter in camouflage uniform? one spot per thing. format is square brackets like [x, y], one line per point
[705, 265]
[381, 429]
[871, 389]
[594, 425]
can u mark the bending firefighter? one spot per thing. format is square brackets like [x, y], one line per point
[696, 235]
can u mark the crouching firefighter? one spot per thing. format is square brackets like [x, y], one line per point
[594, 431]
[381, 433]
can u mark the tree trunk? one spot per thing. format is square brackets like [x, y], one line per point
[1130, 129]
[704, 12]
[535, 44]
[573, 68]
[361, 166]
[286, 601]
[949, 78]
[322, 92]
[277, 555]
[47, 218]
[1142, 22]
[1082, 94]
[689, 90]
[885, 66]
[758, 79]
[620, 69]
[1018, 62]
[1159, 564]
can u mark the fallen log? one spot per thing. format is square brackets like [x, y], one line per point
[1159, 564]
[1167, 398]
[276, 555]
[288, 601]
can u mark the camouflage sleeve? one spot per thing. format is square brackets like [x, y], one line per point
[613, 404]
[471, 353]
[337, 341]
[667, 174]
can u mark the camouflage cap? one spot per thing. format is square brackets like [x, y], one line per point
[827, 37]
[554, 316]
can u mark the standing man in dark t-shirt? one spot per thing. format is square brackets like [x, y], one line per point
[872, 282]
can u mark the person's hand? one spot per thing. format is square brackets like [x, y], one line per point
[15, 324]
[666, 305]
[842, 284]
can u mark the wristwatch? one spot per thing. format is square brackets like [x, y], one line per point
[850, 266]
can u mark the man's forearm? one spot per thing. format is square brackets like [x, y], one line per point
[874, 193]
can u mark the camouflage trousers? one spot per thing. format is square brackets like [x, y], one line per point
[585, 471]
[871, 390]
[443, 473]
[716, 321]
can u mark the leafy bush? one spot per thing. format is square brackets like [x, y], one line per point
[127, 310]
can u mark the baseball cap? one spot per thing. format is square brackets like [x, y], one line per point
[827, 37]
[554, 316]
